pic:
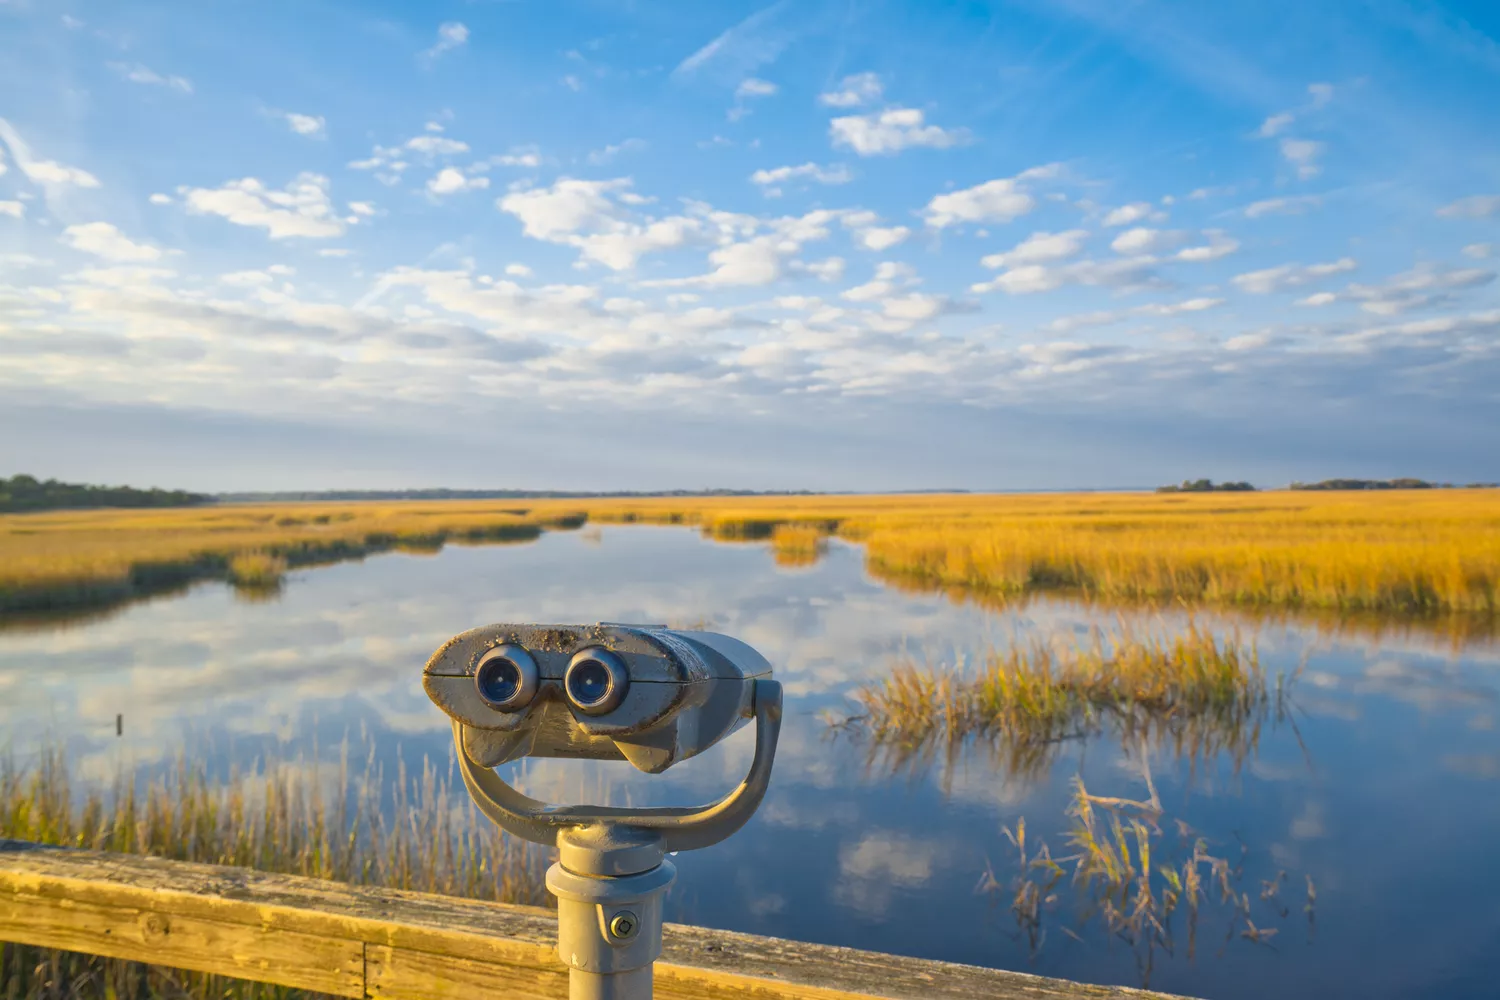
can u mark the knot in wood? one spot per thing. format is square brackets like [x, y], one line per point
[155, 926]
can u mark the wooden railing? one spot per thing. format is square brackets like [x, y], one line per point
[357, 941]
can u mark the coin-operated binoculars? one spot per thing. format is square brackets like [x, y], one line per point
[642, 693]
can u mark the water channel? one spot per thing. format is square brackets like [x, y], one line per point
[1380, 787]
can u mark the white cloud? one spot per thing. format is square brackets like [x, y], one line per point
[583, 214]
[451, 180]
[1219, 245]
[301, 209]
[136, 73]
[1126, 214]
[103, 240]
[1125, 274]
[334, 252]
[999, 200]
[881, 237]
[1479, 206]
[450, 35]
[160, 199]
[1318, 299]
[600, 156]
[1298, 205]
[751, 87]
[1289, 276]
[1303, 154]
[14, 209]
[1144, 240]
[436, 145]
[313, 126]
[888, 132]
[364, 208]
[835, 173]
[518, 270]
[1040, 248]
[853, 91]
[1321, 93]
[1479, 251]
[1422, 287]
[54, 177]
[1275, 124]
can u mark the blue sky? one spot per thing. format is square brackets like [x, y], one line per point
[860, 245]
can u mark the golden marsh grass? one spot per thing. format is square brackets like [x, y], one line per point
[1191, 694]
[1415, 553]
[405, 831]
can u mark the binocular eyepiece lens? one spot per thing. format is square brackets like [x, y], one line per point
[506, 678]
[596, 681]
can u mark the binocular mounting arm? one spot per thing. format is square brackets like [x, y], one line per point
[669, 828]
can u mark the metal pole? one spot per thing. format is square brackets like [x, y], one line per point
[609, 882]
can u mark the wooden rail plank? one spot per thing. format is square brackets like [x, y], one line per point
[365, 942]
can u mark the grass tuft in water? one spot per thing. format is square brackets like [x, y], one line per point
[1191, 692]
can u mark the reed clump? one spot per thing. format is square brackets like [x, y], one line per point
[1138, 884]
[348, 822]
[798, 544]
[257, 570]
[1191, 692]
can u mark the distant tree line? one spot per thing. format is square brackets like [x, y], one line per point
[1209, 486]
[20, 493]
[1383, 484]
[1206, 486]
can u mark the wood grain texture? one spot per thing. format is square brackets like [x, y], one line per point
[358, 941]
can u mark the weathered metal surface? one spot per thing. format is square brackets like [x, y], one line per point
[370, 942]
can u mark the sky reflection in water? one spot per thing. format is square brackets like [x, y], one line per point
[1387, 800]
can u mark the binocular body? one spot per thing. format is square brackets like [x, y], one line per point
[642, 693]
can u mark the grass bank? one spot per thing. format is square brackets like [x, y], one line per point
[405, 831]
[1419, 554]
[1415, 552]
[80, 558]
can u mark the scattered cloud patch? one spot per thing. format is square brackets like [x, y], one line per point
[604, 155]
[160, 199]
[770, 181]
[104, 240]
[300, 210]
[1219, 244]
[1303, 154]
[853, 92]
[888, 132]
[14, 209]
[999, 200]
[451, 180]
[1275, 125]
[55, 178]
[136, 73]
[1289, 276]
[1144, 240]
[1479, 251]
[450, 35]
[1040, 248]
[1479, 206]
[752, 87]
[1126, 214]
[312, 126]
[1422, 287]
[1298, 205]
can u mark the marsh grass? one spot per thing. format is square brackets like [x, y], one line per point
[69, 559]
[1189, 693]
[1140, 886]
[257, 571]
[350, 822]
[798, 544]
[1419, 552]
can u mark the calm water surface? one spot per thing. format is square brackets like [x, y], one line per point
[1383, 792]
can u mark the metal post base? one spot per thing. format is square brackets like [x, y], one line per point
[609, 916]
